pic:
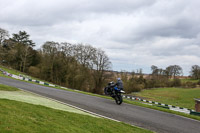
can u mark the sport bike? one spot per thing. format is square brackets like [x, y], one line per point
[116, 93]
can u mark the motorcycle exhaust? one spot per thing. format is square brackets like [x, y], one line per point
[122, 91]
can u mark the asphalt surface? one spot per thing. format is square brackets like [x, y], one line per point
[154, 120]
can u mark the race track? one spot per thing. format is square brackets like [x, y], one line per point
[143, 117]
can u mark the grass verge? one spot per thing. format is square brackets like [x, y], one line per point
[22, 117]
[7, 88]
[26, 97]
[181, 97]
[16, 72]
[9, 70]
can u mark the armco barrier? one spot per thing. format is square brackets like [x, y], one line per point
[26, 78]
[46, 84]
[195, 113]
[166, 106]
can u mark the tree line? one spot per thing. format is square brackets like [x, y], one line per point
[79, 66]
[76, 66]
[169, 77]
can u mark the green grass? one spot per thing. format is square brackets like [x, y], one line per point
[2, 75]
[16, 72]
[181, 97]
[7, 88]
[22, 117]
[189, 80]
[10, 70]
[27, 97]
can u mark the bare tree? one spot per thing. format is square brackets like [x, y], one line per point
[195, 72]
[174, 70]
[94, 59]
[3, 35]
[67, 49]
[50, 52]
[153, 68]
[100, 64]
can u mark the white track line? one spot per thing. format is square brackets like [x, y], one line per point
[95, 114]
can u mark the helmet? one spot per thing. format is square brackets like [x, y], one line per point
[118, 79]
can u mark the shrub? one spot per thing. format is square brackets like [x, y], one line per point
[138, 87]
[189, 84]
[34, 71]
[150, 83]
[133, 87]
[198, 82]
[176, 82]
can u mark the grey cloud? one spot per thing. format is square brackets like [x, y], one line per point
[192, 50]
[136, 32]
[165, 19]
[49, 12]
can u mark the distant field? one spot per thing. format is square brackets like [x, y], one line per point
[174, 96]
[189, 80]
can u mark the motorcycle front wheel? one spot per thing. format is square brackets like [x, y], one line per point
[118, 99]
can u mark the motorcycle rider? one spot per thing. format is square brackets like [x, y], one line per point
[119, 84]
[114, 86]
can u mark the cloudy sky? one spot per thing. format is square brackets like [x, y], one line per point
[134, 33]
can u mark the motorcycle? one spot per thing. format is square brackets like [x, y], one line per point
[116, 93]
